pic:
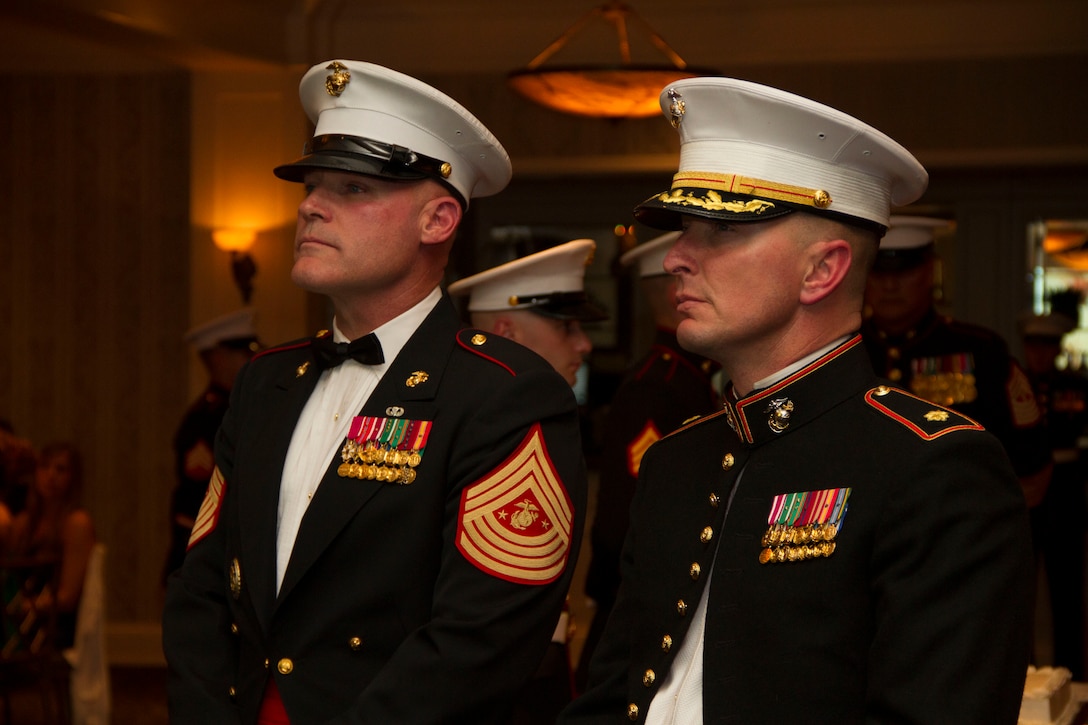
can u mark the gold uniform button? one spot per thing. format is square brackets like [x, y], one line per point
[882, 390]
[232, 692]
[479, 339]
[695, 571]
[632, 711]
[714, 500]
[266, 663]
[666, 643]
[728, 461]
[233, 628]
[648, 678]
[355, 643]
[681, 607]
[285, 666]
[706, 534]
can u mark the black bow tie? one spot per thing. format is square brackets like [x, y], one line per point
[366, 350]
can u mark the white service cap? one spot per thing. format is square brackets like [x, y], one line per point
[750, 152]
[234, 329]
[650, 256]
[373, 120]
[908, 242]
[550, 282]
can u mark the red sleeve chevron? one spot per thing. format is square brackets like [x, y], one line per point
[208, 516]
[515, 523]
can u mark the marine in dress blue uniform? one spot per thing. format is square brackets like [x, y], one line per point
[540, 301]
[433, 550]
[661, 390]
[1060, 522]
[826, 548]
[224, 344]
[960, 365]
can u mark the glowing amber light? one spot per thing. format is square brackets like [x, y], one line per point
[234, 240]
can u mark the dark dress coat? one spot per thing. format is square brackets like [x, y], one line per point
[664, 389]
[392, 609]
[197, 429]
[916, 609]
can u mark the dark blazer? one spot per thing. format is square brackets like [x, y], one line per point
[388, 611]
[661, 391]
[916, 610]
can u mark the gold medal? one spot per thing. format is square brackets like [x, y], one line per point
[343, 470]
[235, 578]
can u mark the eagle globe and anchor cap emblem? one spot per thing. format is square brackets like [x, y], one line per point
[338, 80]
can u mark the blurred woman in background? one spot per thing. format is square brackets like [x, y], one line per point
[55, 526]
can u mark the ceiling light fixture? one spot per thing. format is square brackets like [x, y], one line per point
[603, 91]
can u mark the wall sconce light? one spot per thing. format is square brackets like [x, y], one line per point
[242, 266]
[623, 91]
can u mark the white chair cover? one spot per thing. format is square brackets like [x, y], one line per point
[90, 678]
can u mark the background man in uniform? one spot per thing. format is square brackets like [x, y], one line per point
[1059, 524]
[664, 388]
[825, 549]
[224, 345]
[387, 536]
[963, 366]
[540, 302]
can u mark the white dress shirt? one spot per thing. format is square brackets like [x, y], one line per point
[325, 422]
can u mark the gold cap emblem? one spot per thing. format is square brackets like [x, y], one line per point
[676, 108]
[338, 80]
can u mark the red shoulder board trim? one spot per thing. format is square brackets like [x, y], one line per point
[208, 516]
[474, 344]
[638, 446]
[927, 420]
[515, 523]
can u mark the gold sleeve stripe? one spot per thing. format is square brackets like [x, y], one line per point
[208, 516]
[637, 448]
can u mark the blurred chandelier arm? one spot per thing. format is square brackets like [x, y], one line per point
[618, 91]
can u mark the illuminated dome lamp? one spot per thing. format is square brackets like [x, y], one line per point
[623, 91]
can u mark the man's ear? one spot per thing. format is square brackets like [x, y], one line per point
[439, 219]
[831, 261]
[505, 327]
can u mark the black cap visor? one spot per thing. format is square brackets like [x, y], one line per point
[900, 260]
[666, 210]
[359, 155]
[563, 306]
